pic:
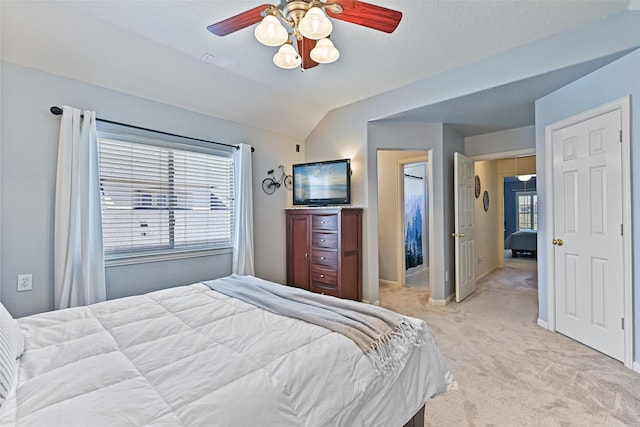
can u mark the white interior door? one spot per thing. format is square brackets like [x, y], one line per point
[587, 225]
[464, 234]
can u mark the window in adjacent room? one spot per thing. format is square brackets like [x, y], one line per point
[160, 197]
[527, 210]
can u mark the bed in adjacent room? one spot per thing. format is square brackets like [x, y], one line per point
[522, 241]
[194, 356]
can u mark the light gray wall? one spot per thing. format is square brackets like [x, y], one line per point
[614, 81]
[442, 141]
[389, 135]
[518, 140]
[27, 189]
[344, 132]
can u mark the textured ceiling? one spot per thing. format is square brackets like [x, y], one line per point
[154, 48]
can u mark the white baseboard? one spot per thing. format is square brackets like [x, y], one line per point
[486, 273]
[636, 366]
[383, 282]
[441, 301]
[543, 323]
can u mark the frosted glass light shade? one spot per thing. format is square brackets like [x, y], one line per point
[270, 32]
[315, 25]
[287, 57]
[324, 52]
[524, 178]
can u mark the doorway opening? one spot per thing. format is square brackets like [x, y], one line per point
[404, 218]
[518, 202]
[520, 218]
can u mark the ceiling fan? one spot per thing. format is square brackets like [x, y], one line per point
[306, 22]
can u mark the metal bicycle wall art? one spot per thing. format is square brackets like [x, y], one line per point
[270, 184]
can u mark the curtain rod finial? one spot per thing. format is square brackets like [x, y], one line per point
[55, 110]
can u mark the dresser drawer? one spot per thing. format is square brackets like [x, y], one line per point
[325, 258]
[326, 290]
[324, 240]
[325, 222]
[324, 277]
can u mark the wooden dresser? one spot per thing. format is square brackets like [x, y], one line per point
[324, 250]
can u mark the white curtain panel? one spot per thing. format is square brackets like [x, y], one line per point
[78, 258]
[243, 212]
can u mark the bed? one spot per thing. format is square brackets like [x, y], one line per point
[192, 356]
[523, 241]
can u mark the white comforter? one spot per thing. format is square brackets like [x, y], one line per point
[189, 356]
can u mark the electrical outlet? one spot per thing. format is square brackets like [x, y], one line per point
[25, 282]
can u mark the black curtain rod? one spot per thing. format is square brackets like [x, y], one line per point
[413, 176]
[57, 111]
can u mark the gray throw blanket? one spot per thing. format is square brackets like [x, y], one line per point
[384, 336]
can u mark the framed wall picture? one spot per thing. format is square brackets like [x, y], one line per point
[477, 182]
[485, 200]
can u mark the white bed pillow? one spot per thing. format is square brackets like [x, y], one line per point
[11, 348]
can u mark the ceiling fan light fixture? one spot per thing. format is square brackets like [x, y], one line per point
[270, 32]
[287, 57]
[306, 22]
[315, 25]
[324, 52]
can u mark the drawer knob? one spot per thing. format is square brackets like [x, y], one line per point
[322, 240]
[321, 257]
[322, 222]
[322, 276]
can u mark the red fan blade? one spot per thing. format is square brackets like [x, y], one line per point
[368, 15]
[304, 49]
[238, 22]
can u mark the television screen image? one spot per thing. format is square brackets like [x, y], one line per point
[322, 183]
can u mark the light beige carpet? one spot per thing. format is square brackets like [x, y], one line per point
[511, 372]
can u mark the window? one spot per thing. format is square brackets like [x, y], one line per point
[163, 198]
[527, 211]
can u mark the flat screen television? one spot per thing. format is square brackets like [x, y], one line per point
[322, 183]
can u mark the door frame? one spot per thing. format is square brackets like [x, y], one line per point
[501, 174]
[622, 104]
[400, 210]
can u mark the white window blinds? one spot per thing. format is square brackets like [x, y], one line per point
[158, 199]
[527, 206]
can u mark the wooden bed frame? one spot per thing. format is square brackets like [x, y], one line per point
[417, 420]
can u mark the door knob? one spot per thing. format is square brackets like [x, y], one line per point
[457, 234]
[557, 242]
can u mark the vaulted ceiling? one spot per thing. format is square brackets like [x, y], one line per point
[161, 50]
